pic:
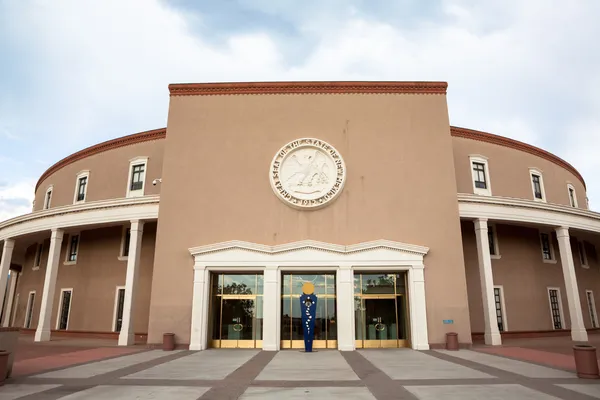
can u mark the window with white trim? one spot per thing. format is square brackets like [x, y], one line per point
[583, 260]
[493, 241]
[125, 240]
[537, 185]
[572, 195]
[81, 185]
[480, 175]
[118, 313]
[72, 249]
[37, 261]
[589, 295]
[500, 313]
[48, 197]
[137, 176]
[547, 247]
[555, 308]
[29, 310]
[64, 309]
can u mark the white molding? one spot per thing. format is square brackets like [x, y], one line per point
[48, 204]
[29, 310]
[592, 311]
[560, 307]
[114, 323]
[68, 251]
[569, 188]
[60, 302]
[133, 162]
[89, 213]
[81, 174]
[476, 158]
[537, 171]
[527, 211]
[309, 255]
[503, 305]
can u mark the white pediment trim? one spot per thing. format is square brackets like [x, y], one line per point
[310, 245]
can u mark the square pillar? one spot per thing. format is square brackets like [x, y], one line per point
[200, 311]
[271, 308]
[578, 332]
[127, 334]
[345, 308]
[418, 308]
[42, 333]
[10, 299]
[492, 334]
[7, 250]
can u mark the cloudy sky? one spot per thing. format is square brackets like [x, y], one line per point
[74, 72]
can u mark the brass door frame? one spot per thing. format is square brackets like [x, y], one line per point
[379, 343]
[234, 343]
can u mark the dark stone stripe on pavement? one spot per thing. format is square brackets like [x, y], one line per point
[381, 386]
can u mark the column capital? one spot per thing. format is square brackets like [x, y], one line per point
[199, 266]
[57, 234]
[345, 266]
[9, 243]
[562, 231]
[480, 224]
[136, 225]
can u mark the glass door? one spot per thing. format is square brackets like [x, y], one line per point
[380, 310]
[236, 311]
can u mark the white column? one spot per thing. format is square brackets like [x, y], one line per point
[492, 334]
[200, 311]
[345, 307]
[42, 333]
[578, 332]
[10, 299]
[271, 315]
[7, 250]
[418, 308]
[127, 334]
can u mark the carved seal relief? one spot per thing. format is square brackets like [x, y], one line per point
[307, 173]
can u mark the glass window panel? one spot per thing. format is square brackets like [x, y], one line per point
[356, 283]
[258, 318]
[400, 283]
[239, 284]
[331, 319]
[286, 318]
[260, 279]
[297, 333]
[377, 283]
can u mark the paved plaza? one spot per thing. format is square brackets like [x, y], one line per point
[291, 374]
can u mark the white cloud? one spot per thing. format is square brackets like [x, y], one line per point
[104, 66]
[15, 199]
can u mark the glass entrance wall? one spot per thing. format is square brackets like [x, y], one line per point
[236, 310]
[380, 310]
[291, 319]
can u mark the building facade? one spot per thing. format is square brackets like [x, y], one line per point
[407, 227]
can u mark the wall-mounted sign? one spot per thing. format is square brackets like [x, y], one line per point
[448, 321]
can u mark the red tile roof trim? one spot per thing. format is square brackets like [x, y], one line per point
[209, 89]
[514, 144]
[102, 147]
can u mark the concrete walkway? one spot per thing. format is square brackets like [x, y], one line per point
[254, 374]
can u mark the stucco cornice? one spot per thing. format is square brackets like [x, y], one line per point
[309, 244]
[235, 88]
[102, 147]
[514, 144]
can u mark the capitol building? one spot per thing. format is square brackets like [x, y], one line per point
[408, 228]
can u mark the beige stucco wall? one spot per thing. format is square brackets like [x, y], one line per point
[400, 186]
[525, 278]
[109, 174]
[509, 172]
[93, 279]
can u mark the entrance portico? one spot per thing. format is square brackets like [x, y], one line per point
[309, 257]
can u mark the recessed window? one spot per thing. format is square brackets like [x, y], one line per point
[493, 241]
[583, 260]
[48, 198]
[29, 310]
[499, 301]
[64, 309]
[555, 308]
[137, 177]
[125, 240]
[537, 185]
[72, 250]
[572, 195]
[119, 303]
[480, 175]
[38, 255]
[81, 185]
[592, 308]
[547, 248]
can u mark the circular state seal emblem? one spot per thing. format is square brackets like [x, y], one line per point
[307, 173]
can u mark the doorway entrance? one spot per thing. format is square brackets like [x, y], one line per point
[380, 310]
[236, 310]
[325, 334]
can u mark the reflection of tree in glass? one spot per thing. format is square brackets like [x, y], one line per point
[382, 281]
[236, 288]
